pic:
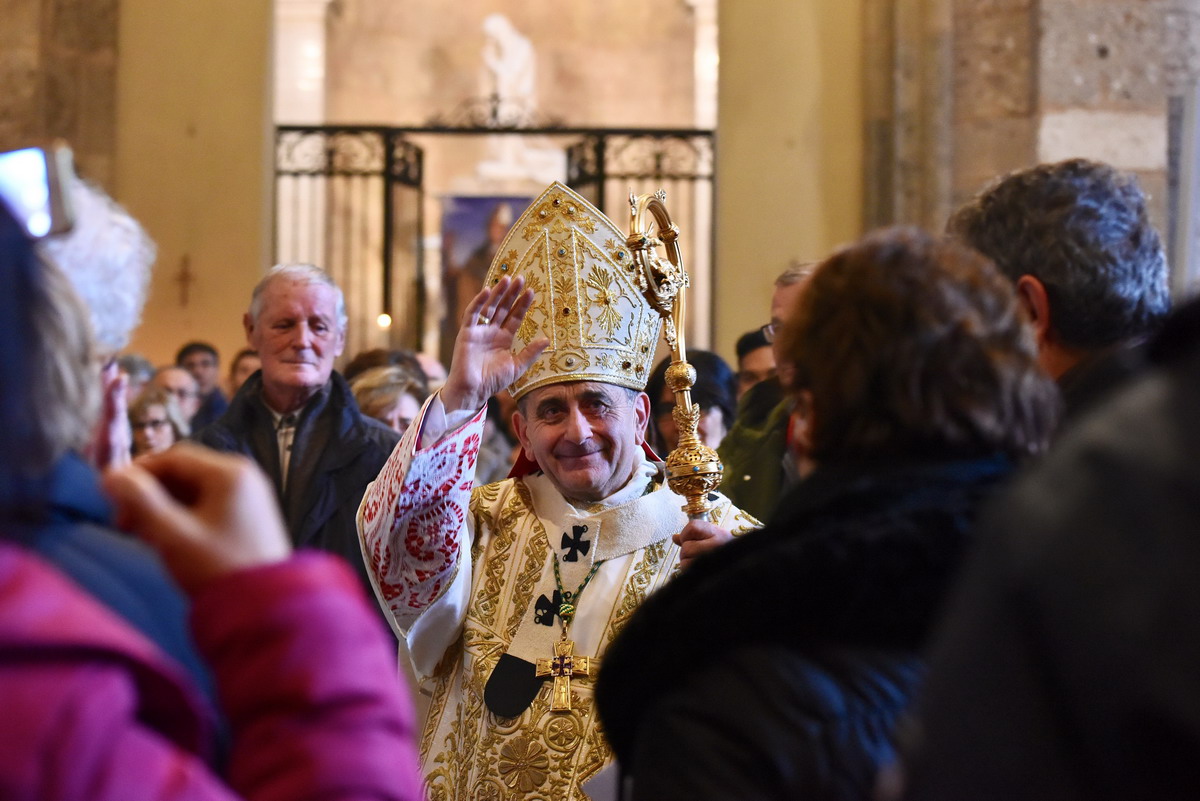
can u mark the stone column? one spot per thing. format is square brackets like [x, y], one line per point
[1182, 76]
[790, 170]
[58, 69]
[995, 92]
[300, 61]
[302, 205]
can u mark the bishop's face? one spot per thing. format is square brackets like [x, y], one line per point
[586, 436]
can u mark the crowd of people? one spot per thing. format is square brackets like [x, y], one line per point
[948, 557]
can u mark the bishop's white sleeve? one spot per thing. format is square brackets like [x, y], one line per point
[414, 528]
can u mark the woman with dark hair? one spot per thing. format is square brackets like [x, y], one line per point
[776, 666]
[715, 392]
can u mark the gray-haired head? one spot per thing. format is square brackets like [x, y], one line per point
[107, 258]
[1081, 228]
[796, 272]
[302, 273]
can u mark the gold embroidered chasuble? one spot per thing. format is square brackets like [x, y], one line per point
[467, 575]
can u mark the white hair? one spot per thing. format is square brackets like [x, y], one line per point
[303, 273]
[107, 258]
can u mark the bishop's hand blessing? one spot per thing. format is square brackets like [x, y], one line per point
[483, 361]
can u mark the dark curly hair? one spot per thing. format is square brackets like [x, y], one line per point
[1082, 229]
[907, 345]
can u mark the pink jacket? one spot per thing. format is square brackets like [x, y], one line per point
[89, 709]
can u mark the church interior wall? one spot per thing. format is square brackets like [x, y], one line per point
[168, 107]
[193, 162]
[58, 61]
[790, 147]
[409, 63]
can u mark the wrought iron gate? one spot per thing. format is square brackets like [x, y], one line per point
[350, 198]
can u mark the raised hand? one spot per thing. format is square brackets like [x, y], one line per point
[207, 513]
[112, 438]
[483, 361]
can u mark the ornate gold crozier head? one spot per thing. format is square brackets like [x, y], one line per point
[693, 469]
[587, 296]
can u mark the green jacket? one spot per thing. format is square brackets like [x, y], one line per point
[754, 450]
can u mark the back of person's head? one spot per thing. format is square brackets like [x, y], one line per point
[50, 385]
[1082, 229]
[908, 346]
[107, 257]
[137, 367]
[796, 271]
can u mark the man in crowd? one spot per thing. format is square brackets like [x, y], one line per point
[201, 360]
[180, 383]
[755, 360]
[297, 417]
[759, 465]
[1075, 237]
[1066, 665]
[507, 594]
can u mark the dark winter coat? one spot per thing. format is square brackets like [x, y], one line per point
[776, 666]
[75, 534]
[336, 453]
[92, 710]
[758, 466]
[1068, 667]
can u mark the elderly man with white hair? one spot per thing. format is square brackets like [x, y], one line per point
[297, 417]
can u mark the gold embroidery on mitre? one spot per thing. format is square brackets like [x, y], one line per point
[586, 302]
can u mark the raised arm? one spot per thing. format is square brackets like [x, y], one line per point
[413, 520]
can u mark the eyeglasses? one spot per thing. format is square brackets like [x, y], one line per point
[184, 394]
[152, 424]
[769, 331]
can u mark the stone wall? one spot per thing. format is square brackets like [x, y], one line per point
[614, 64]
[995, 91]
[1101, 88]
[58, 63]
[1031, 81]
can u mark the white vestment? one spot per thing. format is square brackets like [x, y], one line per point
[468, 576]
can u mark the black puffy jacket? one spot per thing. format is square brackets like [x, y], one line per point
[777, 666]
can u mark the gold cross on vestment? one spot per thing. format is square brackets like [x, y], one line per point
[562, 667]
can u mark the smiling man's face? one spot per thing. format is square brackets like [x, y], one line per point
[297, 338]
[586, 436]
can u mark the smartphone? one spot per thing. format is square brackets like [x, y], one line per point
[35, 184]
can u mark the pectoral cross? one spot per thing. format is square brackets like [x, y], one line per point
[563, 666]
[574, 543]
